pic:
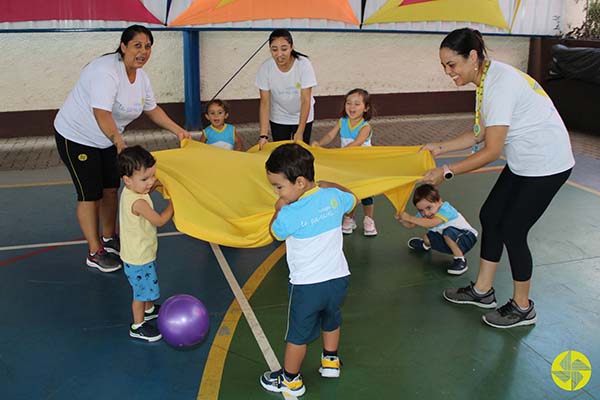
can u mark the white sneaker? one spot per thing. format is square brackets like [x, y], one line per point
[369, 226]
[330, 366]
[348, 225]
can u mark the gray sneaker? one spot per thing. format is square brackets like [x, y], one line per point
[467, 295]
[103, 260]
[510, 315]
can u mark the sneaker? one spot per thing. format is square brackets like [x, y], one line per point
[330, 366]
[103, 260]
[277, 382]
[145, 332]
[467, 295]
[510, 315]
[416, 243]
[348, 225]
[369, 227]
[112, 245]
[151, 315]
[458, 267]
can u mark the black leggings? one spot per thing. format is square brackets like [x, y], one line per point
[284, 132]
[512, 207]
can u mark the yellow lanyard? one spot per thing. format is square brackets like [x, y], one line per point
[479, 100]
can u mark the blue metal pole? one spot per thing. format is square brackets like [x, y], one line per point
[191, 68]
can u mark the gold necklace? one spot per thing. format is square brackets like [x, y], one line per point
[479, 100]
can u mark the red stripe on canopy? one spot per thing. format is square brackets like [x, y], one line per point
[46, 10]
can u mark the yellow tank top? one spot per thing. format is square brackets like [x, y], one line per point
[138, 236]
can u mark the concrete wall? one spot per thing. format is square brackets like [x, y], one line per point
[39, 69]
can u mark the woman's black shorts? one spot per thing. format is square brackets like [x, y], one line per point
[92, 169]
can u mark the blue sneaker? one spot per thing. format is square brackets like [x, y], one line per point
[276, 381]
[458, 267]
[416, 243]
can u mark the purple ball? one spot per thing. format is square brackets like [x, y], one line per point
[183, 320]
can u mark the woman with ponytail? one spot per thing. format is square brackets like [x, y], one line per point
[285, 82]
[513, 115]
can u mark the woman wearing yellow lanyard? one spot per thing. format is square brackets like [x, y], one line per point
[514, 114]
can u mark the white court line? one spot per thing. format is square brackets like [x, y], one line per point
[257, 330]
[66, 243]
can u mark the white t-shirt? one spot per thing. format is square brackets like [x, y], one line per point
[103, 84]
[537, 143]
[285, 89]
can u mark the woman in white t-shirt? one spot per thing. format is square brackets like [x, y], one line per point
[512, 114]
[285, 82]
[112, 91]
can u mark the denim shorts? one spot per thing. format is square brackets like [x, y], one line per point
[315, 307]
[143, 281]
[464, 239]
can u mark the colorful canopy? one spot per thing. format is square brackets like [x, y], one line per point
[479, 11]
[203, 12]
[69, 10]
[224, 197]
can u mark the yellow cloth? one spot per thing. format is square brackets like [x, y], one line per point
[224, 197]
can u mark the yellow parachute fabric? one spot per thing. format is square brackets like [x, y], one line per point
[483, 11]
[224, 197]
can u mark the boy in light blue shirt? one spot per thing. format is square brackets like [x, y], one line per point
[309, 218]
[447, 230]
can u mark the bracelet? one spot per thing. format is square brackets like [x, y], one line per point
[264, 137]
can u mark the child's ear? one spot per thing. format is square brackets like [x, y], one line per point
[301, 181]
[126, 179]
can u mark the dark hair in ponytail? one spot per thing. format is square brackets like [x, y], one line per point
[463, 40]
[284, 33]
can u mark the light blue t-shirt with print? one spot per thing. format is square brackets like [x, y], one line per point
[312, 230]
[451, 218]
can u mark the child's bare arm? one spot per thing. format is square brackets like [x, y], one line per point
[423, 222]
[329, 136]
[400, 217]
[142, 208]
[363, 135]
[278, 205]
[239, 145]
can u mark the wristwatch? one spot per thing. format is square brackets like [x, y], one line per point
[448, 174]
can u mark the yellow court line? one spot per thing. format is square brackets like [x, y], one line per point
[585, 188]
[19, 185]
[215, 363]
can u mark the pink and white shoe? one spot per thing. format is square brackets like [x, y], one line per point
[348, 225]
[369, 227]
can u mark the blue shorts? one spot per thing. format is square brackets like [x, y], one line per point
[143, 281]
[313, 308]
[464, 239]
